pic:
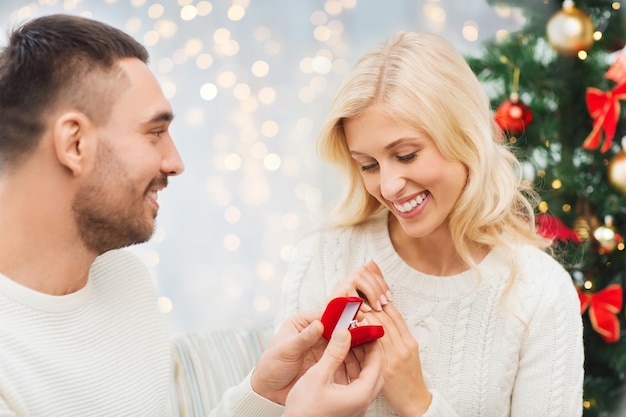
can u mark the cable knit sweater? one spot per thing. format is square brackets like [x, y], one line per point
[103, 350]
[483, 354]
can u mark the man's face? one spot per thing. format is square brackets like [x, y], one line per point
[116, 205]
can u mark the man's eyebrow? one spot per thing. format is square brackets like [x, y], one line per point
[165, 116]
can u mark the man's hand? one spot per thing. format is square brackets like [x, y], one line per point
[296, 346]
[317, 393]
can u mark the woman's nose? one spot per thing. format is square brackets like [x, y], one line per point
[392, 181]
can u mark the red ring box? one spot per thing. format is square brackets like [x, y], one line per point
[341, 312]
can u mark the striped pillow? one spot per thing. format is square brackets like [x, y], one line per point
[206, 364]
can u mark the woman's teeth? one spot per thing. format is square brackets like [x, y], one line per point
[411, 204]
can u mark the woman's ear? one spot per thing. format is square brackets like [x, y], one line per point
[71, 136]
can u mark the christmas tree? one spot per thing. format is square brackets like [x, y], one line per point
[557, 85]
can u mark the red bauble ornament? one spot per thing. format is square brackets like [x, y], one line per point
[513, 116]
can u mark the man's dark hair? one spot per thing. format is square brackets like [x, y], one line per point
[54, 62]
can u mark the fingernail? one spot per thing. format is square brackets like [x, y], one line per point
[388, 295]
[366, 308]
[378, 306]
[383, 300]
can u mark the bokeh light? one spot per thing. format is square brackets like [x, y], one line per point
[251, 84]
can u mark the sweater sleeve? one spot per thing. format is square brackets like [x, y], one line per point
[439, 407]
[305, 282]
[242, 401]
[550, 376]
[5, 411]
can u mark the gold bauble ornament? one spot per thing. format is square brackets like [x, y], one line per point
[606, 237]
[570, 30]
[617, 171]
[584, 227]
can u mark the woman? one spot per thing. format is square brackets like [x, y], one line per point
[479, 320]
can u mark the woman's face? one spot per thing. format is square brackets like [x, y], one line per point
[403, 169]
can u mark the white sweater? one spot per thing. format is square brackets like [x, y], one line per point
[101, 351]
[482, 355]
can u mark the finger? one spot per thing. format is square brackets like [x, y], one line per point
[335, 353]
[393, 335]
[371, 369]
[398, 344]
[348, 289]
[399, 324]
[373, 266]
[367, 283]
[303, 319]
[378, 287]
[352, 365]
[308, 337]
[359, 353]
[370, 286]
[341, 375]
[398, 320]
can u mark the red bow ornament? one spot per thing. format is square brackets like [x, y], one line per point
[604, 108]
[603, 308]
[553, 228]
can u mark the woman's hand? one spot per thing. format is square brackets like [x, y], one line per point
[368, 283]
[404, 389]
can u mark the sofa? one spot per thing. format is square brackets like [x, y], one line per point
[207, 363]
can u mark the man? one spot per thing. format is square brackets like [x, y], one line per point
[84, 152]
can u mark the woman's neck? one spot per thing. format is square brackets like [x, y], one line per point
[433, 254]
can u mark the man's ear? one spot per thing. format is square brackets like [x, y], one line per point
[73, 140]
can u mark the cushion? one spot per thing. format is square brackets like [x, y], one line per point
[207, 363]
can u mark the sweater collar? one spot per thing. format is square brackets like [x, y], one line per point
[399, 274]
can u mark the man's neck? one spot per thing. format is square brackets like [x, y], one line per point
[53, 268]
[40, 247]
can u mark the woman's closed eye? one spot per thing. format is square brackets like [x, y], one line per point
[369, 167]
[407, 158]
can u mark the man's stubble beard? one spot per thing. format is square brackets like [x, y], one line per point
[110, 212]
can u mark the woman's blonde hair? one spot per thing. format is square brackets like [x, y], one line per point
[421, 81]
